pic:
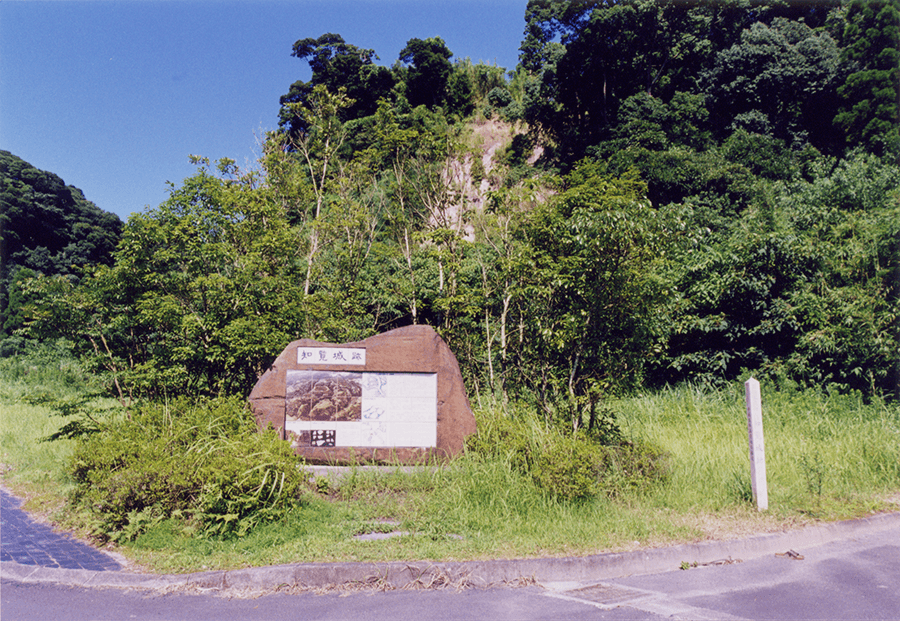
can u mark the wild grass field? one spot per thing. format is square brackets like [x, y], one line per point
[828, 457]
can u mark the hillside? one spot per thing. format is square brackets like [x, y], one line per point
[47, 226]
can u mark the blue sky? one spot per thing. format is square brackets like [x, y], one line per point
[114, 95]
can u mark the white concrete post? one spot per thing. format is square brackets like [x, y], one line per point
[757, 445]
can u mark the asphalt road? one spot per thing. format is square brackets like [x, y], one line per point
[857, 577]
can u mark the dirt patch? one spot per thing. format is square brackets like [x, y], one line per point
[493, 135]
[489, 138]
[741, 525]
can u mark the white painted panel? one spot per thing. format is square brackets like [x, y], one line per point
[397, 409]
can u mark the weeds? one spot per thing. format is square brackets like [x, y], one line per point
[851, 444]
[814, 471]
[191, 485]
[740, 488]
[565, 465]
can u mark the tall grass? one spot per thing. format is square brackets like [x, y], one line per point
[471, 509]
[828, 456]
[31, 465]
[820, 448]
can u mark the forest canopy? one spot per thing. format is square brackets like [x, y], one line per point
[47, 228]
[659, 192]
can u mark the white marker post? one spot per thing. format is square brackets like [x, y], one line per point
[757, 445]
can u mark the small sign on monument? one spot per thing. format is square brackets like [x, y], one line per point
[757, 444]
[332, 355]
[394, 397]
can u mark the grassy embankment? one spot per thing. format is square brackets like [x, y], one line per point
[828, 457]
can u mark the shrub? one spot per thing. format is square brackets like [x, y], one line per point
[499, 97]
[570, 466]
[203, 461]
[633, 465]
[513, 112]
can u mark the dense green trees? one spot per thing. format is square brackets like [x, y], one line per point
[422, 76]
[774, 69]
[428, 71]
[589, 57]
[695, 214]
[201, 291]
[779, 80]
[46, 227]
[803, 284]
[869, 113]
[335, 65]
[731, 113]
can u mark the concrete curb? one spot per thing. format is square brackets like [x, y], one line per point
[422, 574]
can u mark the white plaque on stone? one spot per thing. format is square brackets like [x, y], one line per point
[361, 409]
[355, 356]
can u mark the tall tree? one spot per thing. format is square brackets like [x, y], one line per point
[870, 112]
[594, 303]
[429, 69]
[336, 65]
[318, 145]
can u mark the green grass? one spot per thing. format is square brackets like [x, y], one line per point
[468, 511]
[34, 468]
[828, 457]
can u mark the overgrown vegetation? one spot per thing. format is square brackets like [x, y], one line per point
[28, 379]
[829, 456]
[48, 228]
[569, 466]
[675, 226]
[203, 462]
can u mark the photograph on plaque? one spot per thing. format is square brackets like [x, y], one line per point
[323, 396]
[365, 409]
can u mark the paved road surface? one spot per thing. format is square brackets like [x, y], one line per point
[40, 602]
[30, 543]
[856, 575]
[856, 578]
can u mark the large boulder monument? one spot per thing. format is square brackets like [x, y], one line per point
[396, 397]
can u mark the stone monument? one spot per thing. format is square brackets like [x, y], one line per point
[396, 397]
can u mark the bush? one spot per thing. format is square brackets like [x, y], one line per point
[575, 467]
[11, 346]
[499, 97]
[570, 466]
[513, 112]
[202, 461]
